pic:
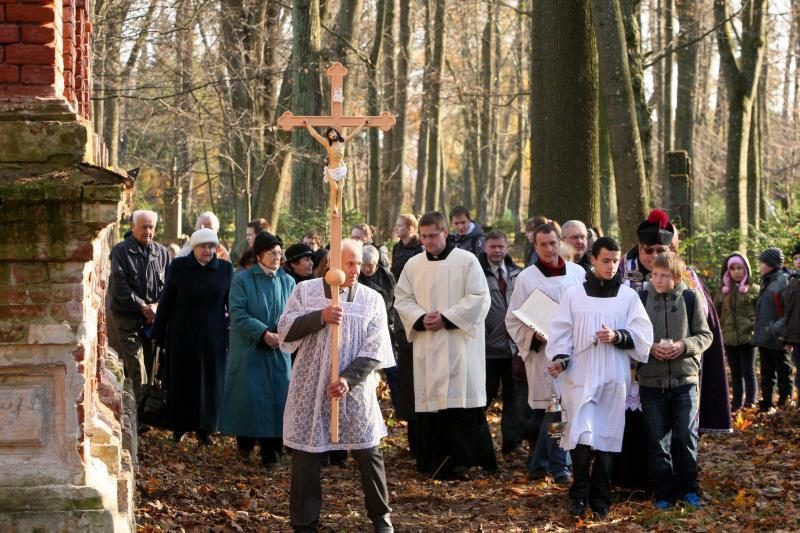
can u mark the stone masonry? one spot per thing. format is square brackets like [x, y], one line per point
[67, 427]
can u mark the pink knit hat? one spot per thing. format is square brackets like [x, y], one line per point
[726, 279]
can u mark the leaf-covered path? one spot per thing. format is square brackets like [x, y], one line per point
[750, 481]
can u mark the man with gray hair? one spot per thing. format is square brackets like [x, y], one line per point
[575, 234]
[138, 271]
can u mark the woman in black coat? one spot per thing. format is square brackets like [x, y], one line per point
[191, 324]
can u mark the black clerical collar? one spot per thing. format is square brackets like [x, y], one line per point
[442, 256]
[602, 288]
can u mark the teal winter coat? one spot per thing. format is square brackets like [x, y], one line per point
[256, 376]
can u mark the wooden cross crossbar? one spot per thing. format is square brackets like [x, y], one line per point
[337, 119]
[335, 276]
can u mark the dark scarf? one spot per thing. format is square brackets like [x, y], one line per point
[550, 271]
[601, 288]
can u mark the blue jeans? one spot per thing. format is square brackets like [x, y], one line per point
[670, 421]
[547, 456]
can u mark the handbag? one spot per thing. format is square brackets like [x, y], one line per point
[152, 406]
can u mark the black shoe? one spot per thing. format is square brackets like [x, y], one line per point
[576, 507]
[600, 510]
[383, 525]
[204, 437]
[142, 429]
[177, 436]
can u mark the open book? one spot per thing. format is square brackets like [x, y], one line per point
[537, 312]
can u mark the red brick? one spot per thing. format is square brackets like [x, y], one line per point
[9, 74]
[22, 313]
[9, 33]
[30, 54]
[2, 13]
[30, 13]
[39, 34]
[2, 53]
[38, 75]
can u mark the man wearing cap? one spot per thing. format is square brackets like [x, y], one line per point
[773, 356]
[299, 263]
[654, 235]
[138, 272]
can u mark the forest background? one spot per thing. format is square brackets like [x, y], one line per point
[570, 108]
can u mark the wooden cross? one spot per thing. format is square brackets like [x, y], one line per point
[335, 276]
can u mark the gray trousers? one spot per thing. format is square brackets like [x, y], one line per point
[305, 498]
[126, 336]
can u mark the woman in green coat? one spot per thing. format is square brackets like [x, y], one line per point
[257, 371]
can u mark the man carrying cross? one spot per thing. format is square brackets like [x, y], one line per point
[305, 327]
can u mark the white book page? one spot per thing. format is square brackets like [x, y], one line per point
[537, 312]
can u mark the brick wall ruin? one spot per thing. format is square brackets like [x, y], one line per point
[67, 437]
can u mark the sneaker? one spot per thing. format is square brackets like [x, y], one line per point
[576, 507]
[693, 499]
[563, 479]
[663, 505]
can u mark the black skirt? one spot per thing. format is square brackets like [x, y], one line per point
[454, 439]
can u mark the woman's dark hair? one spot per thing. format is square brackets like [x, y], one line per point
[339, 137]
[247, 259]
[605, 242]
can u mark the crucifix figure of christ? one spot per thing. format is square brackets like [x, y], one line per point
[335, 173]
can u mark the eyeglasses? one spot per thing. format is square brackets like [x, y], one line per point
[274, 253]
[650, 250]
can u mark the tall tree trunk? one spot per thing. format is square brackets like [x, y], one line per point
[686, 58]
[665, 113]
[485, 175]
[183, 124]
[741, 79]
[306, 100]
[564, 161]
[754, 169]
[617, 91]
[401, 110]
[434, 173]
[373, 212]
[421, 191]
[631, 14]
[389, 172]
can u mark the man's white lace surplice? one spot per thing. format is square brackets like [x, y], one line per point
[364, 333]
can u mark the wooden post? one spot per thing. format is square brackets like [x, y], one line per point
[335, 276]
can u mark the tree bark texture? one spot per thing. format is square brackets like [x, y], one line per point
[564, 113]
[623, 130]
[741, 78]
[306, 100]
[435, 177]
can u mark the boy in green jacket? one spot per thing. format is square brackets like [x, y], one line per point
[669, 381]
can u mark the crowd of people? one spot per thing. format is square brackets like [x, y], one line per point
[633, 355]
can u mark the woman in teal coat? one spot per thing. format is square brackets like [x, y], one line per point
[257, 371]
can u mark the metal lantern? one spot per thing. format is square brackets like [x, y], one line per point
[556, 418]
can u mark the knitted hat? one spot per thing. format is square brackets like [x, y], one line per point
[735, 259]
[265, 241]
[657, 229]
[297, 251]
[772, 257]
[204, 236]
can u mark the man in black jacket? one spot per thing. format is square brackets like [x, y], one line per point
[138, 271]
[501, 274]
[469, 234]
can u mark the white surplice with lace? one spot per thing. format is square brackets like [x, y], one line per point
[364, 333]
[596, 381]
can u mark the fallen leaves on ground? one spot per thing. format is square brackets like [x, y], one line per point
[750, 481]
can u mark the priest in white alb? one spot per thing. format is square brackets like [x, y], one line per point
[443, 299]
[365, 347]
[551, 275]
[599, 327]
